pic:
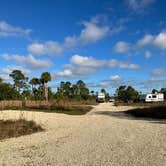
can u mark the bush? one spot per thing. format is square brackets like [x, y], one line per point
[16, 128]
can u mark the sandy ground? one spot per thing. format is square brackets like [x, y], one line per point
[103, 137]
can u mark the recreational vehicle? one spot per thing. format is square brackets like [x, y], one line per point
[100, 97]
[150, 97]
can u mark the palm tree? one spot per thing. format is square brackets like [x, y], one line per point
[34, 81]
[45, 78]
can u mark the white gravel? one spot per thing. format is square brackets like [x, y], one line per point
[103, 137]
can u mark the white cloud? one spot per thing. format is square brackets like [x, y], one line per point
[7, 30]
[158, 71]
[81, 66]
[160, 41]
[158, 79]
[28, 61]
[4, 72]
[86, 61]
[67, 73]
[148, 54]
[91, 33]
[154, 82]
[139, 5]
[123, 65]
[115, 78]
[49, 47]
[146, 40]
[94, 30]
[122, 47]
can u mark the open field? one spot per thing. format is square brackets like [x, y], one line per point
[104, 136]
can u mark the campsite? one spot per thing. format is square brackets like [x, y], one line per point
[82, 83]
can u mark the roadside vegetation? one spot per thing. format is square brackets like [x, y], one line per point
[36, 95]
[16, 128]
[157, 112]
[71, 98]
[127, 95]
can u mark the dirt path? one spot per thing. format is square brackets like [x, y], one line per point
[102, 137]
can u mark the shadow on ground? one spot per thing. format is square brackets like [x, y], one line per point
[153, 115]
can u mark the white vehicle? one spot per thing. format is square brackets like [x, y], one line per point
[157, 97]
[100, 97]
[111, 100]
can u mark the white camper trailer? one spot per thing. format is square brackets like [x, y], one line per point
[150, 97]
[100, 97]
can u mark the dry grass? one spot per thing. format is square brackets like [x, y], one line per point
[16, 128]
[58, 106]
[10, 104]
[61, 106]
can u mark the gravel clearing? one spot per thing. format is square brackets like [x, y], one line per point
[100, 138]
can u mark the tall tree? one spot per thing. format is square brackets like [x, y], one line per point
[34, 82]
[45, 78]
[20, 81]
[83, 91]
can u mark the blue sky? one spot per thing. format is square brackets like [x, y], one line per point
[105, 43]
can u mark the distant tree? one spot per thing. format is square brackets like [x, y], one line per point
[83, 91]
[20, 81]
[34, 81]
[45, 78]
[127, 94]
[65, 89]
[92, 92]
[121, 93]
[131, 94]
[8, 92]
[154, 91]
[75, 90]
[80, 85]
[107, 96]
[103, 91]
[163, 90]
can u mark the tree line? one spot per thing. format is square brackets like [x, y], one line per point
[128, 93]
[38, 89]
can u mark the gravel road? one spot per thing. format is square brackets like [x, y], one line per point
[103, 137]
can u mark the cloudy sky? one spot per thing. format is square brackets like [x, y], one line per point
[106, 43]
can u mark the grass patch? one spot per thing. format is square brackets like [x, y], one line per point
[16, 128]
[73, 110]
[158, 112]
